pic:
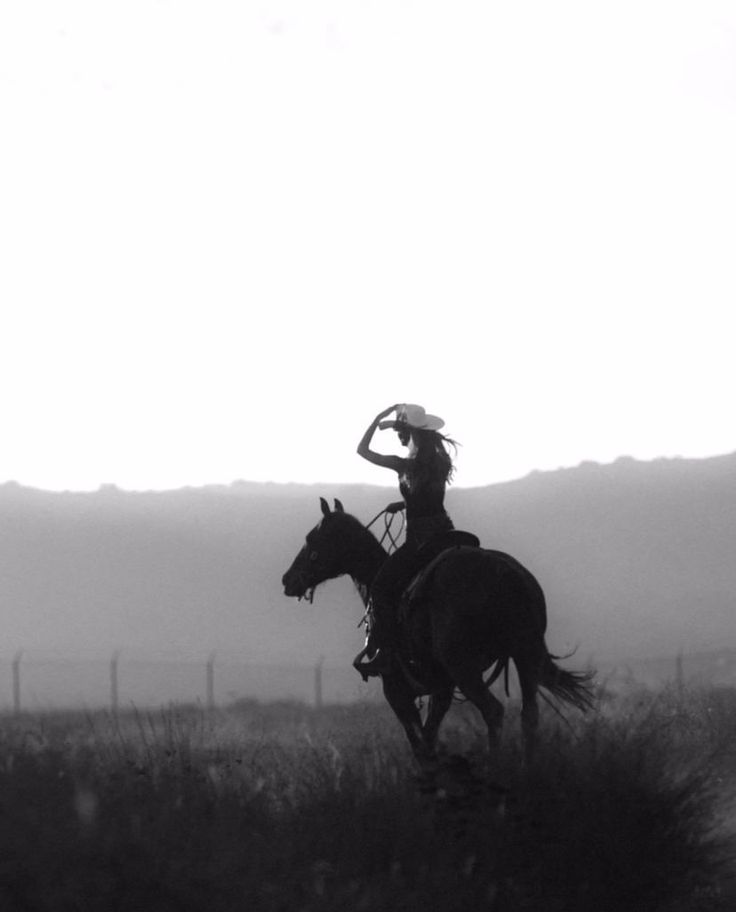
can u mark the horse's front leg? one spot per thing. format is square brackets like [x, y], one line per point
[401, 699]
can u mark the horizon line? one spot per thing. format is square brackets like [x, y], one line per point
[111, 486]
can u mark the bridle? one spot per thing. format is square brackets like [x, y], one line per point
[388, 520]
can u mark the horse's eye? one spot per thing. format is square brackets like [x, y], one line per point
[313, 556]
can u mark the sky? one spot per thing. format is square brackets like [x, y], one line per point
[232, 232]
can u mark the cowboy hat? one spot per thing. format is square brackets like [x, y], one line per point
[413, 416]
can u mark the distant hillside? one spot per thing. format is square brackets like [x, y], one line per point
[636, 560]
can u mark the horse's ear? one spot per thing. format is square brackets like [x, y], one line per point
[325, 506]
[338, 506]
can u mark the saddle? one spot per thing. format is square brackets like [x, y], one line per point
[414, 669]
[430, 554]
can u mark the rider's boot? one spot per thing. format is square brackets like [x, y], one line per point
[380, 643]
[380, 662]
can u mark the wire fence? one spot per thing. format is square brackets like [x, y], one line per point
[34, 683]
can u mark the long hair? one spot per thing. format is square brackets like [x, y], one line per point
[432, 459]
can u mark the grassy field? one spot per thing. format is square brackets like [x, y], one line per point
[279, 807]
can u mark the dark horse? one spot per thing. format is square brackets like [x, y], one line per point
[478, 609]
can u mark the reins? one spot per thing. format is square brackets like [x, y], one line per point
[388, 519]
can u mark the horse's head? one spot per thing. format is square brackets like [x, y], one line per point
[325, 554]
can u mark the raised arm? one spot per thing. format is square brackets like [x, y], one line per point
[364, 447]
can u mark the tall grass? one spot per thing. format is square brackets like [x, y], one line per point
[283, 808]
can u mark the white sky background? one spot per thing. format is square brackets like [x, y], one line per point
[232, 232]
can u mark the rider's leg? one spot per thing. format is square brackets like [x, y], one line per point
[385, 597]
[383, 635]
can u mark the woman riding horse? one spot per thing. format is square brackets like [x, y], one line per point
[423, 476]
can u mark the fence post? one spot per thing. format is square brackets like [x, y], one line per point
[318, 683]
[114, 681]
[211, 681]
[16, 682]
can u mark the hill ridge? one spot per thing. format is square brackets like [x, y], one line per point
[635, 558]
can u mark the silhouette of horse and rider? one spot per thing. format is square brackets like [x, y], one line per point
[442, 613]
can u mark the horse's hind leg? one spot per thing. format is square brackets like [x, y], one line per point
[439, 703]
[470, 683]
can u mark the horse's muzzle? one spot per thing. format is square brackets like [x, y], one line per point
[295, 586]
[291, 586]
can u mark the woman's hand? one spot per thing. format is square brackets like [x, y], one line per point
[396, 507]
[386, 412]
[364, 447]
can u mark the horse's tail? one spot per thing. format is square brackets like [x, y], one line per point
[574, 687]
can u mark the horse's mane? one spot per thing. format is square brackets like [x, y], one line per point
[355, 527]
[352, 527]
[352, 521]
[359, 535]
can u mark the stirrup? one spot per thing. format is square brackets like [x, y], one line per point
[378, 664]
